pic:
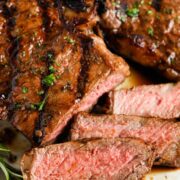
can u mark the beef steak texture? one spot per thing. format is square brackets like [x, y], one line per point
[59, 68]
[164, 135]
[145, 31]
[100, 159]
[5, 44]
[161, 101]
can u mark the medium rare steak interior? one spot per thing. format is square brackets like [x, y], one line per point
[55, 63]
[145, 31]
[164, 135]
[123, 159]
[161, 101]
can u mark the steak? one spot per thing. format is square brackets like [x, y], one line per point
[52, 58]
[161, 101]
[145, 31]
[5, 44]
[98, 159]
[87, 70]
[164, 135]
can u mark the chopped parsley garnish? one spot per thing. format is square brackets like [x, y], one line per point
[24, 90]
[150, 31]
[133, 12]
[58, 76]
[51, 69]
[33, 106]
[49, 80]
[41, 104]
[149, 12]
[69, 40]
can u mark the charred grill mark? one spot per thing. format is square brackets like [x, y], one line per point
[157, 4]
[101, 7]
[85, 63]
[28, 39]
[41, 123]
[78, 6]
[51, 24]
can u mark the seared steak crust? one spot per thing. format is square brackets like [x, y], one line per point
[49, 59]
[161, 101]
[28, 37]
[146, 32]
[5, 44]
[84, 70]
[99, 159]
[163, 134]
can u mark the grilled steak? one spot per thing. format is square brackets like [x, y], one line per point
[164, 135]
[28, 36]
[5, 68]
[84, 70]
[149, 101]
[99, 159]
[51, 58]
[145, 31]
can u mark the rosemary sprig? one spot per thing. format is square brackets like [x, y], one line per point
[4, 166]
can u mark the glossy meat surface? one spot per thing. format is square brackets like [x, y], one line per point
[58, 71]
[5, 44]
[146, 32]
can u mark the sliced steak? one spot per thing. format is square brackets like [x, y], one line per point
[145, 31]
[5, 44]
[149, 101]
[164, 135]
[99, 159]
[83, 70]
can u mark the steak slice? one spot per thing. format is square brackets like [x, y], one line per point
[161, 101]
[164, 135]
[84, 70]
[145, 31]
[99, 159]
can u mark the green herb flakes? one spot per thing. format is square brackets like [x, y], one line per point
[49, 80]
[24, 90]
[41, 104]
[133, 12]
[150, 31]
[69, 40]
[149, 12]
[51, 69]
